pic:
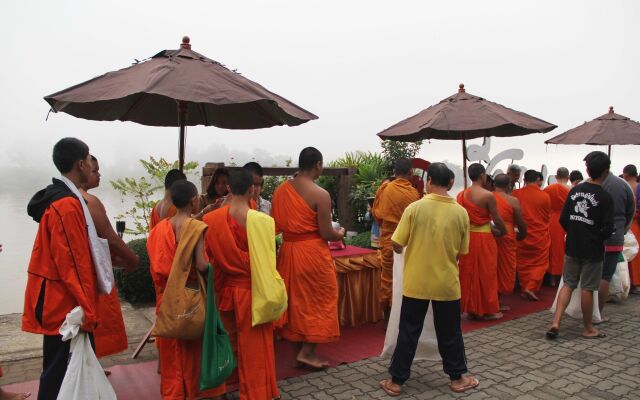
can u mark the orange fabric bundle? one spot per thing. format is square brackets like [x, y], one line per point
[533, 251]
[557, 194]
[478, 268]
[110, 335]
[305, 264]
[227, 247]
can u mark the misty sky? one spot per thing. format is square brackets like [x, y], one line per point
[361, 66]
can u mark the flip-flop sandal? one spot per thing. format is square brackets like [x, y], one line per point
[600, 335]
[552, 333]
[459, 389]
[385, 386]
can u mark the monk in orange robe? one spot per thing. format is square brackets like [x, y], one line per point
[227, 246]
[630, 174]
[165, 208]
[110, 336]
[179, 359]
[302, 212]
[391, 199]
[61, 272]
[509, 210]
[558, 193]
[533, 251]
[479, 268]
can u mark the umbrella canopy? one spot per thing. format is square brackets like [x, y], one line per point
[178, 88]
[607, 130]
[465, 116]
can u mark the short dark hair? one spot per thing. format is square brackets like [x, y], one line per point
[531, 176]
[240, 181]
[630, 170]
[309, 157]
[514, 168]
[475, 171]
[502, 181]
[182, 192]
[402, 166]
[576, 175]
[597, 163]
[439, 174]
[67, 151]
[254, 168]
[562, 173]
[172, 176]
[93, 158]
[211, 189]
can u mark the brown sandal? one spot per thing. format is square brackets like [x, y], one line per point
[472, 383]
[384, 384]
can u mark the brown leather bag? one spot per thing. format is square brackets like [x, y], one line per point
[182, 311]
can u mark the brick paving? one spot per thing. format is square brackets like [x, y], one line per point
[512, 360]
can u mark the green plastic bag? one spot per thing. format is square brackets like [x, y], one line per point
[218, 361]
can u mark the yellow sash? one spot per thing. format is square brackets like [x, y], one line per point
[486, 228]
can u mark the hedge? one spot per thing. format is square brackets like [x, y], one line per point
[137, 287]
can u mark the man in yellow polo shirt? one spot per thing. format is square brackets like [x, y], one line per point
[435, 232]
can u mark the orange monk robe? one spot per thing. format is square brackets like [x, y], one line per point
[179, 359]
[155, 215]
[533, 251]
[110, 336]
[558, 194]
[228, 249]
[479, 267]
[389, 204]
[507, 246]
[306, 265]
[634, 266]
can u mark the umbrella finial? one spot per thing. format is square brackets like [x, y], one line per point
[461, 88]
[185, 43]
[610, 109]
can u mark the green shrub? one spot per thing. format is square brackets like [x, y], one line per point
[362, 239]
[137, 286]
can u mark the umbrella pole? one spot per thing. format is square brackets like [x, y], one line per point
[609, 151]
[182, 119]
[464, 160]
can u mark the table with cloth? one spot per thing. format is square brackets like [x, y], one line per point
[358, 273]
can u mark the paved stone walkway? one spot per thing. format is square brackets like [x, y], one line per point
[513, 361]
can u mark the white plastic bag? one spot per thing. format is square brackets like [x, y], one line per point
[630, 249]
[574, 309]
[620, 282]
[427, 344]
[85, 378]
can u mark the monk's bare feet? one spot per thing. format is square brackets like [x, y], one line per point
[593, 334]
[603, 320]
[463, 384]
[529, 295]
[492, 317]
[4, 395]
[504, 307]
[311, 361]
[471, 316]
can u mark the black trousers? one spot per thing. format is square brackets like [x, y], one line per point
[55, 357]
[446, 319]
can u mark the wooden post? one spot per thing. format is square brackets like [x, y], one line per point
[345, 184]
[464, 160]
[609, 151]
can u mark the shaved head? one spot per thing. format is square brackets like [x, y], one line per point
[502, 181]
[562, 173]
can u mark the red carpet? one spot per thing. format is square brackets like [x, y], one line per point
[140, 381]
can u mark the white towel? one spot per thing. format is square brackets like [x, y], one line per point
[99, 247]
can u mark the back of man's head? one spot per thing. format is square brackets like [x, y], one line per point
[182, 193]
[630, 170]
[240, 181]
[513, 168]
[531, 176]
[309, 158]
[173, 176]
[502, 181]
[597, 164]
[576, 175]
[475, 171]
[402, 167]
[67, 151]
[439, 174]
[562, 173]
[254, 168]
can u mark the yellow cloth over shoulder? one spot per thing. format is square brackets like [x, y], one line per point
[268, 293]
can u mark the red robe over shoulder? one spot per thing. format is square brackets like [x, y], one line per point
[306, 265]
[634, 266]
[179, 359]
[156, 218]
[557, 194]
[479, 268]
[533, 251]
[507, 246]
[228, 249]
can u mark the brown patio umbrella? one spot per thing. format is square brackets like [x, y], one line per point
[465, 116]
[606, 130]
[178, 88]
